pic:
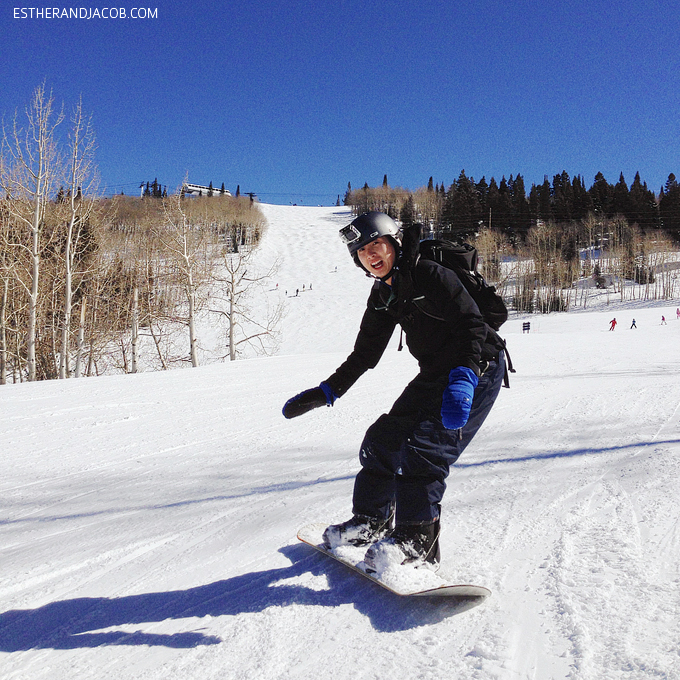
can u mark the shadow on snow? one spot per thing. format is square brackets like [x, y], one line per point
[254, 491]
[572, 453]
[73, 624]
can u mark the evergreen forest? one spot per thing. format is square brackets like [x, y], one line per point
[508, 206]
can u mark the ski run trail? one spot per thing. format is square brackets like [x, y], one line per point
[148, 522]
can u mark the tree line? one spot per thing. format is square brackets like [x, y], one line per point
[466, 206]
[554, 248]
[83, 279]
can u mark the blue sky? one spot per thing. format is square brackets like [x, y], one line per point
[294, 99]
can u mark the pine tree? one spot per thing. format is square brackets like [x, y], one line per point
[482, 191]
[348, 194]
[562, 198]
[602, 195]
[644, 210]
[534, 203]
[502, 210]
[545, 212]
[407, 216]
[492, 199]
[520, 208]
[669, 207]
[460, 214]
[583, 203]
[621, 204]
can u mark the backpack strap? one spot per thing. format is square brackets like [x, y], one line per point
[508, 364]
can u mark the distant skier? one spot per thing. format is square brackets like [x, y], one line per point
[612, 324]
[406, 454]
[663, 321]
[633, 324]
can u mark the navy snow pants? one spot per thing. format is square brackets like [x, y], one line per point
[406, 454]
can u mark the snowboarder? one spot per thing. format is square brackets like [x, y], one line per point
[406, 454]
[612, 324]
[633, 324]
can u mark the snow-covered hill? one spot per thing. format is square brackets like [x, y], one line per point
[147, 522]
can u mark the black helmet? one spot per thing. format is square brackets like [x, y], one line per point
[367, 228]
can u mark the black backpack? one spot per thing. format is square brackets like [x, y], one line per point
[463, 260]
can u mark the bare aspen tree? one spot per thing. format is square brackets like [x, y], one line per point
[81, 338]
[151, 275]
[4, 290]
[155, 307]
[491, 246]
[238, 283]
[80, 203]
[106, 314]
[429, 207]
[135, 327]
[4, 298]
[27, 178]
[13, 308]
[663, 265]
[589, 227]
[187, 245]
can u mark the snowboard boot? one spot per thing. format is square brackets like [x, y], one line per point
[360, 530]
[415, 544]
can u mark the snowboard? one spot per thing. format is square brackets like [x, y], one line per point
[403, 580]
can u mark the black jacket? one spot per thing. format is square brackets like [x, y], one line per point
[442, 323]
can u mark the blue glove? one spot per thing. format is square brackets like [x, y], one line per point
[457, 398]
[322, 395]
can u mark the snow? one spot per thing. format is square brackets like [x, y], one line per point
[148, 522]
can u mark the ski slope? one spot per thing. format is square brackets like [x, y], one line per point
[147, 522]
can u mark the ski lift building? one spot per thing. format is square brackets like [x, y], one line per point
[200, 190]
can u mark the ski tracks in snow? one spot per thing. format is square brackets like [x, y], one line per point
[575, 522]
[148, 522]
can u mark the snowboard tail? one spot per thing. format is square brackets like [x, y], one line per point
[403, 580]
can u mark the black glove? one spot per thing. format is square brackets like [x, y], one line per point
[308, 400]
